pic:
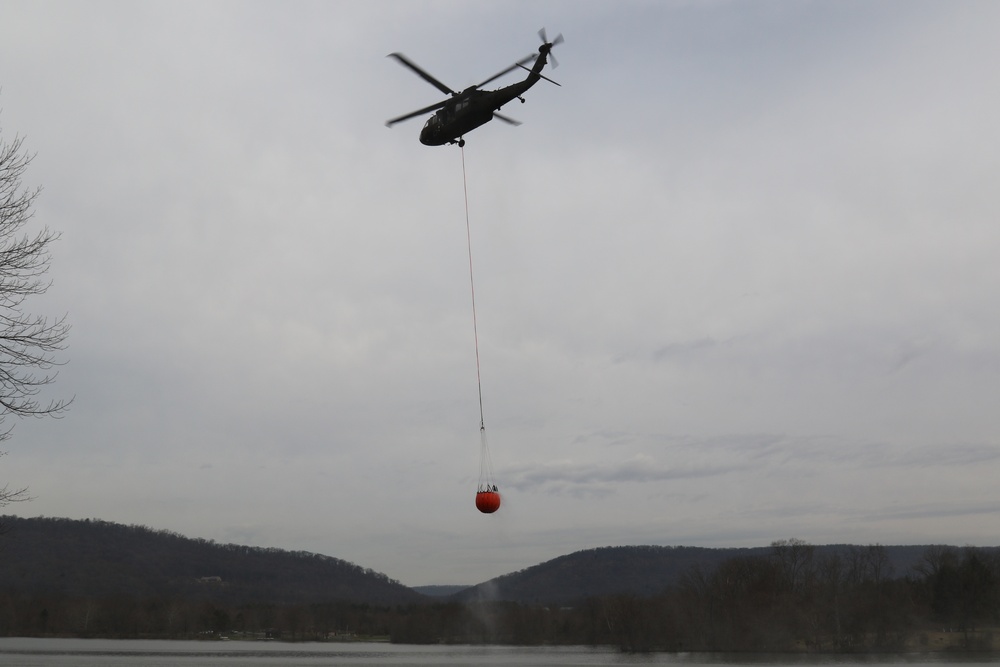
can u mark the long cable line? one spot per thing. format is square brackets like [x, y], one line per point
[472, 285]
[486, 480]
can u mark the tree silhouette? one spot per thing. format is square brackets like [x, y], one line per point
[28, 342]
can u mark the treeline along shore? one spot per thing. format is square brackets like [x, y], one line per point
[68, 578]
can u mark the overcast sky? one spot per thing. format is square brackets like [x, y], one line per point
[736, 279]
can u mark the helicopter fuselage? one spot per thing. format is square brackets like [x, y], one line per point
[470, 109]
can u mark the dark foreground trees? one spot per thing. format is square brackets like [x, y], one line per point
[788, 600]
[28, 343]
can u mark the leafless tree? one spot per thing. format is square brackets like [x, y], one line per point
[794, 558]
[8, 496]
[28, 343]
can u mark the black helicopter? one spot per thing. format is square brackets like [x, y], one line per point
[467, 110]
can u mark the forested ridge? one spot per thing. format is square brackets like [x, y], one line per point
[61, 577]
[640, 570]
[95, 558]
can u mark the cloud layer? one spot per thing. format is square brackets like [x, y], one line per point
[734, 279]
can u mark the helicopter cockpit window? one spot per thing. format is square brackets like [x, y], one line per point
[433, 121]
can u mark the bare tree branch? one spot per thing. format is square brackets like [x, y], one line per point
[29, 343]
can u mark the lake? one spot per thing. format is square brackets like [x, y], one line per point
[28, 652]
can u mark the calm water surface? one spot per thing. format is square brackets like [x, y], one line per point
[23, 652]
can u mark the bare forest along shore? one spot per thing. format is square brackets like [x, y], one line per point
[91, 578]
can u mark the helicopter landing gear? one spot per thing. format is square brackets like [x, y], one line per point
[520, 98]
[461, 143]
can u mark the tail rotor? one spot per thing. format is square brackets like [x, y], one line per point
[546, 47]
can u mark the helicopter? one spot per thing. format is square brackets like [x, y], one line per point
[467, 110]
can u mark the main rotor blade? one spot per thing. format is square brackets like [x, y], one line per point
[507, 120]
[414, 114]
[519, 63]
[403, 60]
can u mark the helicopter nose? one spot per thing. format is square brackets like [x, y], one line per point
[429, 136]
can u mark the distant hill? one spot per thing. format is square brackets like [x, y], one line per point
[638, 570]
[68, 578]
[439, 591]
[93, 558]
[98, 558]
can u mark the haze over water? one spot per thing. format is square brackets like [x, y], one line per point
[32, 652]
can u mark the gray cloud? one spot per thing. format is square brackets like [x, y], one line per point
[735, 279]
[562, 476]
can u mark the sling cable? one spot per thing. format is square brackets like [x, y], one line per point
[487, 493]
